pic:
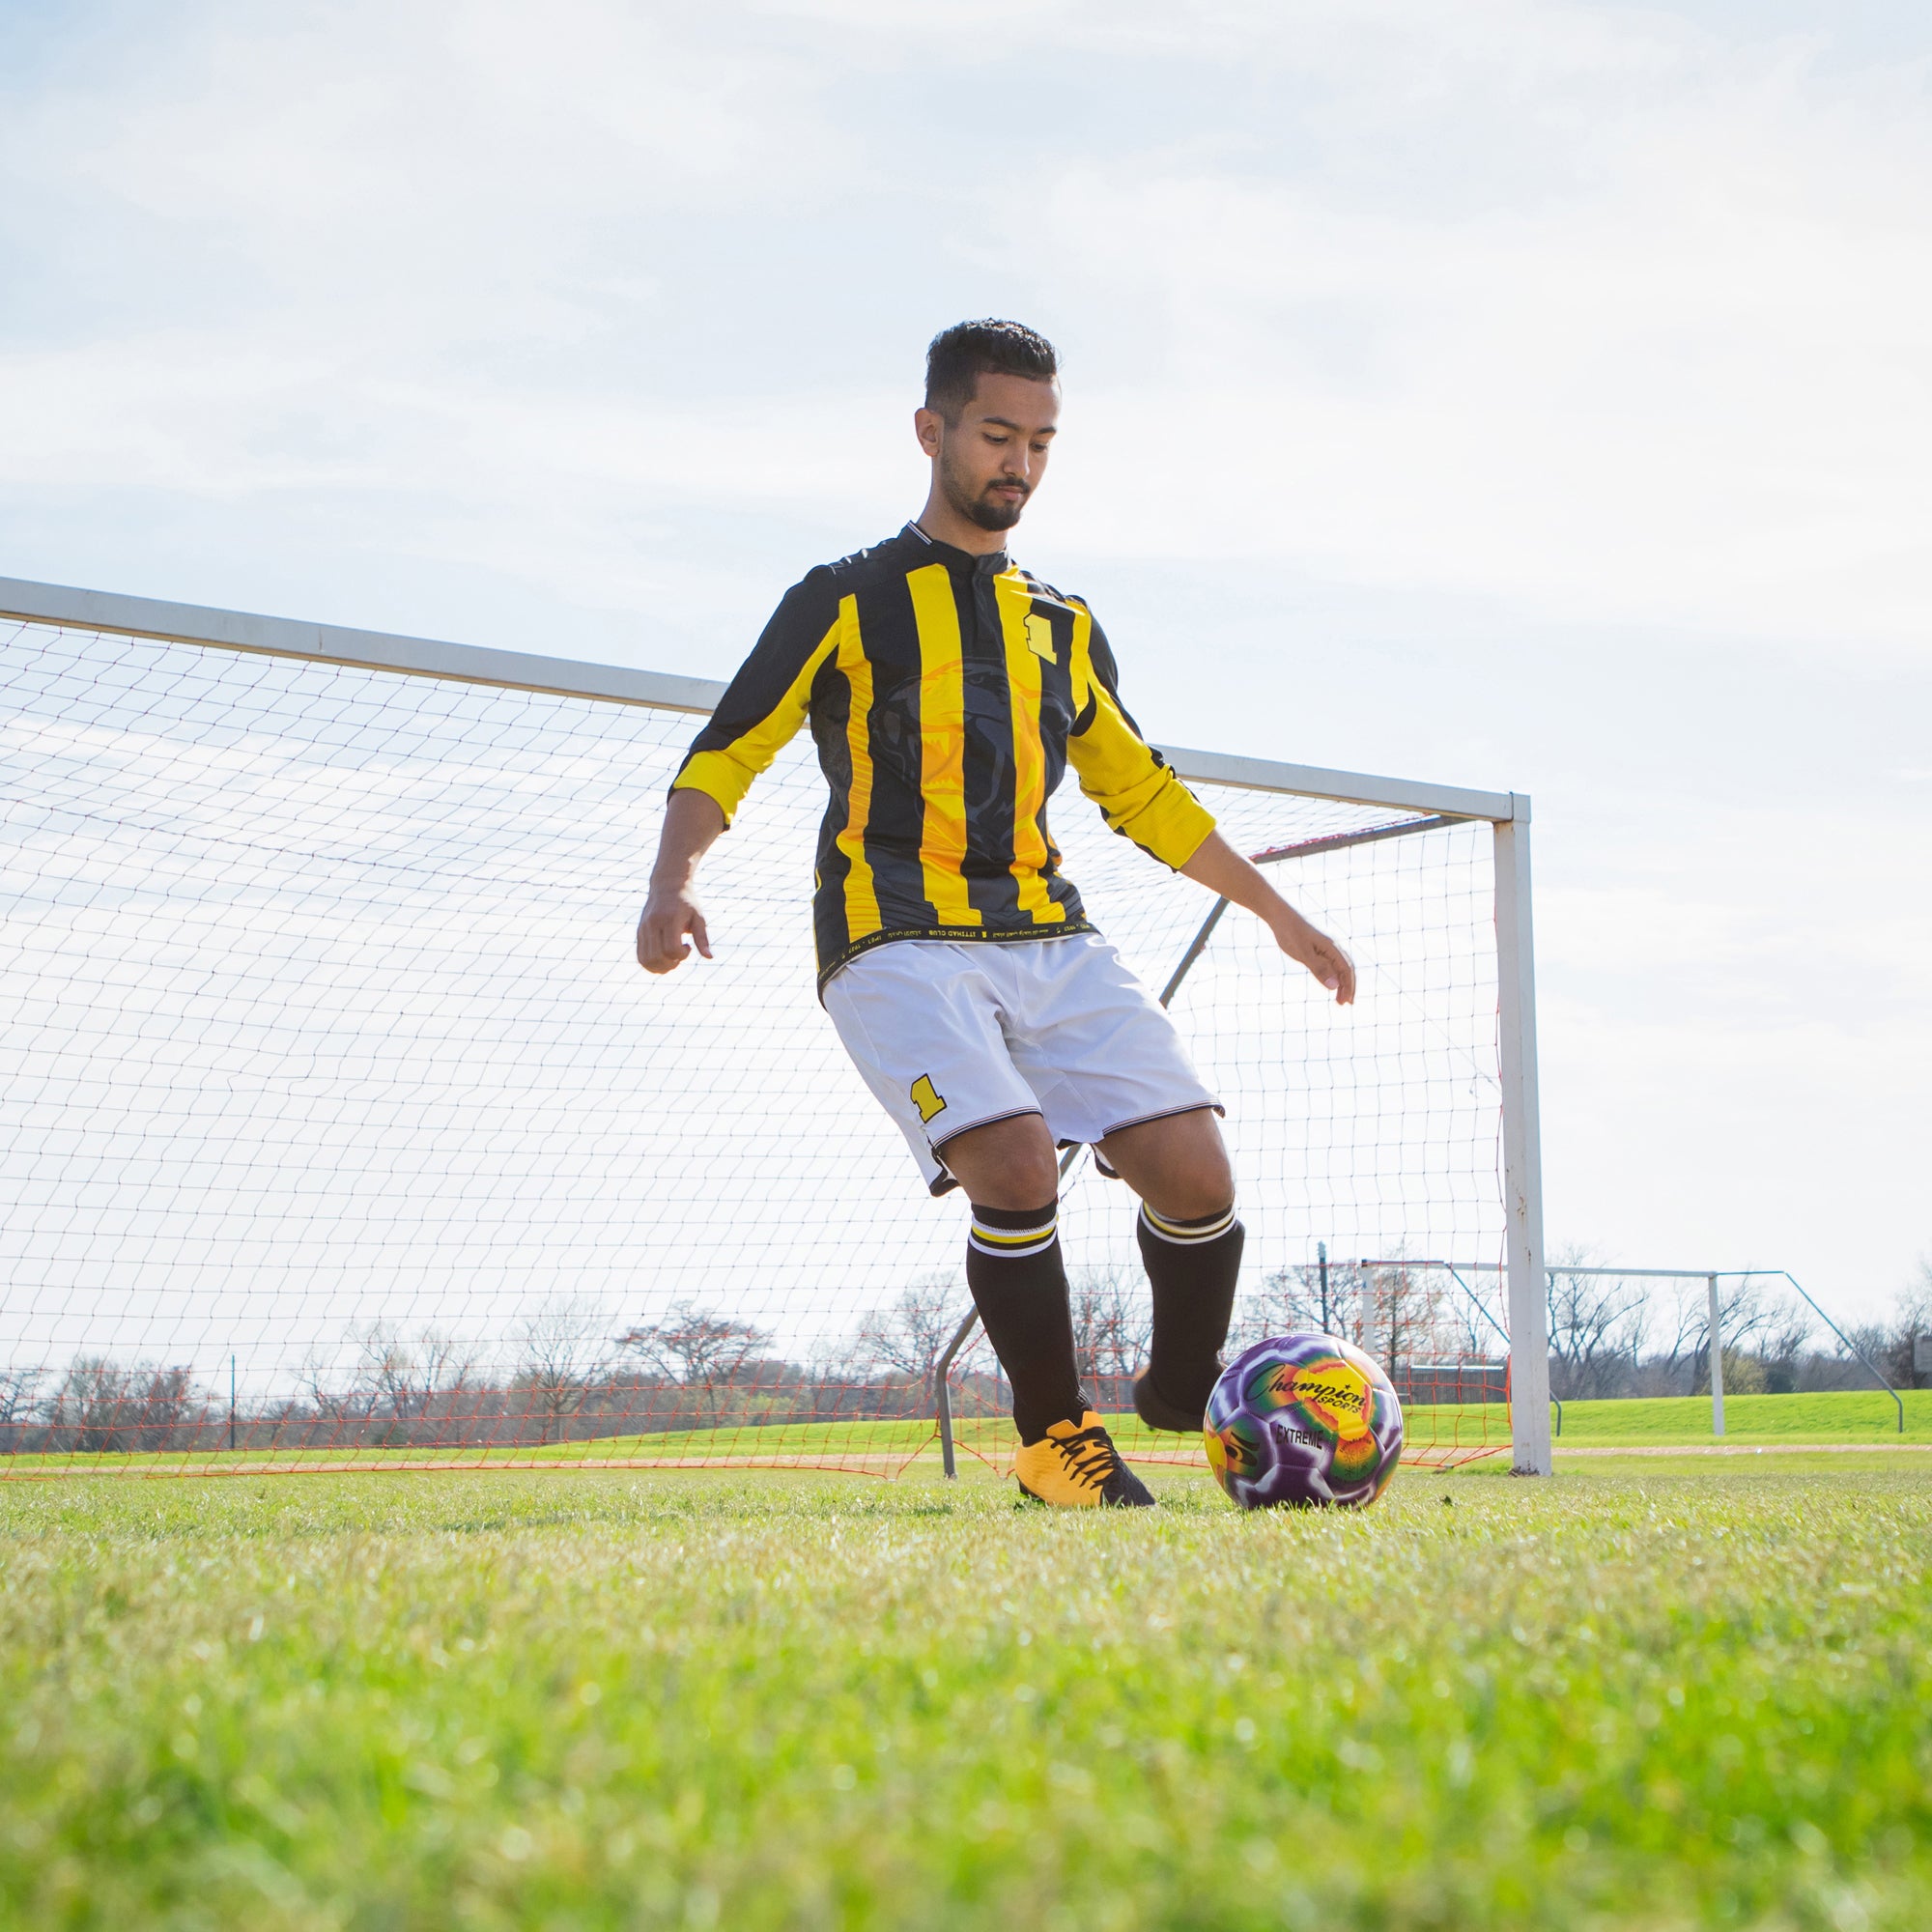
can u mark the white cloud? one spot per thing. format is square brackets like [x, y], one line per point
[1572, 310]
[1692, 391]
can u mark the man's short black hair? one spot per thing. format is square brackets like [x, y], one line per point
[959, 356]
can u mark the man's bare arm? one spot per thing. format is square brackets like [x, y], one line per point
[1222, 870]
[692, 823]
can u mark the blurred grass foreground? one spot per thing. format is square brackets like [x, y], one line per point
[1679, 1694]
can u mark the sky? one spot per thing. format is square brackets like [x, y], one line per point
[1528, 396]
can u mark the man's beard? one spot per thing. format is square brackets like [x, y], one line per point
[982, 509]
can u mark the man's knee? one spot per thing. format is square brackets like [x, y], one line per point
[1193, 1191]
[1005, 1163]
[1025, 1183]
[1178, 1166]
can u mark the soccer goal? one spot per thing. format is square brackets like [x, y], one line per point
[339, 1128]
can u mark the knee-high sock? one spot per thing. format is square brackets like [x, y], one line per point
[1019, 1286]
[1192, 1266]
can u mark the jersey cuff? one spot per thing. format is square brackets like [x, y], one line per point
[1169, 826]
[718, 777]
[1172, 826]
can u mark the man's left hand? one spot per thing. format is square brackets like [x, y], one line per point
[1308, 946]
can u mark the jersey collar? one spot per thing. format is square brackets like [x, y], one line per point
[953, 559]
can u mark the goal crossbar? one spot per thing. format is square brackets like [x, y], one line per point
[616, 684]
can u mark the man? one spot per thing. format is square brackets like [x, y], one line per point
[948, 689]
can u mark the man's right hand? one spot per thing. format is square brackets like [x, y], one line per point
[667, 918]
[674, 922]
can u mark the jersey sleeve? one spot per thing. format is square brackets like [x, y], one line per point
[767, 702]
[1139, 793]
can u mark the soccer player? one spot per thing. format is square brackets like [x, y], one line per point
[948, 689]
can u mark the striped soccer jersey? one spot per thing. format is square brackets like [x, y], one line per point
[946, 694]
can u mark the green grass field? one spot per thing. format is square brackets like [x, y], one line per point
[1844, 1417]
[1658, 1696]
[1851, 1416]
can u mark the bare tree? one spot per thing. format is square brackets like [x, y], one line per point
[1597, 1324]
[333, 1400]
[1746, 1310]
[88, 1407]
[1398, 1315]
[1914, 1320]
[563, 1355]
[1676, 1329]
[1891, 1343]
[101, 1406]
[1289, 1301]
[703, 1350]
[909, 1337]
[19, 1396]
[1466, 1322]
[166, 1399]
[1915, 1300]
[1783, 1342]
[407, 1376]
[1751, 1319]
[1113, 1322]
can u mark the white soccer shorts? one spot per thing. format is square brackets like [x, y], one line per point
[954, 1035]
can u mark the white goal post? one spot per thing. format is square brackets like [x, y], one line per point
[322, 1145]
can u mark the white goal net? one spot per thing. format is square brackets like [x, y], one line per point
[339, 1127]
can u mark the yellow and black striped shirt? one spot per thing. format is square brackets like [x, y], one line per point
[946, 694]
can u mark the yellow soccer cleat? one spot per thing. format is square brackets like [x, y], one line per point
[1075, 1465]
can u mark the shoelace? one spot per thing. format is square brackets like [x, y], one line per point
[1090, 1455]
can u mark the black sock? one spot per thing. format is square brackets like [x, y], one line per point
[1019, 1286]
[1192, 1266]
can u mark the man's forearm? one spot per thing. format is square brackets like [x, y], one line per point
[694, 822]
[1222, 870]
[1218, 866]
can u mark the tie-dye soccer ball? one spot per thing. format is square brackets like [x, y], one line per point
[1303, 1419]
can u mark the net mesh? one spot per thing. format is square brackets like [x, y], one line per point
[339, 1127]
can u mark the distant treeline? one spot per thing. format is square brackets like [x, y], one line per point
[101, 1407]
[1610, 1335]
[565, 1377]
[1621, 1336]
